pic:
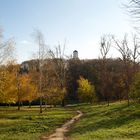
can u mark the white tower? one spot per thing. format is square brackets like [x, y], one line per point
[75, 54]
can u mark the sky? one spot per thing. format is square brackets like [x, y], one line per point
[80, 23]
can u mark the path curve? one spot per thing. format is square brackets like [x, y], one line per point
[59, 133]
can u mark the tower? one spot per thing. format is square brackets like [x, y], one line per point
[75, 54]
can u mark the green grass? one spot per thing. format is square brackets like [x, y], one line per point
[100, 122]
[28, 124]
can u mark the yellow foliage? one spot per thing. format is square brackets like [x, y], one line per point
[7, 87]
[86, 91]
[28, 90]
[13, 88]
[55, 95]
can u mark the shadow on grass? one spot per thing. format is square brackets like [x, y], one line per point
[106, 118]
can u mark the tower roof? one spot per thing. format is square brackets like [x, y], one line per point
[75, 51]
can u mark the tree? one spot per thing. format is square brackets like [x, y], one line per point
[55, 95]
[86, 91]
[28, 91]
[7, 87]
[6, 49]
[31, 89]
[39, 38]
[124, 50]
[59, 66]
[135, 53]
[74, 70]
[135, 88]
[105, 76]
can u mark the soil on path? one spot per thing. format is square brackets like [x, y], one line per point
[59, 133]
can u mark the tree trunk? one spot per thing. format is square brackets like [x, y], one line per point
[127, 90]
[120, 97]
[29, 104]
[45, 105]
[128, 101]
[40, 104]
[63, 103]
[107, 101]
[18, 105]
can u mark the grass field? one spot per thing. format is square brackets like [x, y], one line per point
[28, 124]
[100, 122]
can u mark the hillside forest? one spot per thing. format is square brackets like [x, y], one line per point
[57, 79]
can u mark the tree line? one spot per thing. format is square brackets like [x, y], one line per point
[55, 79]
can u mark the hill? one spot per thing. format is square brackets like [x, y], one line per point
[100, 122]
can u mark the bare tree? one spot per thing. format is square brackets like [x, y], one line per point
[59, 65]
[6, 49]
[39, 38]
[124, 50]
[105, 46]
[135, 53]
[104, 75]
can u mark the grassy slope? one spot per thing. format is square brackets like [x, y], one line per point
[28, 124]
[116, 122]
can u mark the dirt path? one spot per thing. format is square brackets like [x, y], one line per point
[59, 133]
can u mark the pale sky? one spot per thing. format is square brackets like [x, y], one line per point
[80, 22]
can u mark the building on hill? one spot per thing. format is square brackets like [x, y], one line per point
[75, 54]
[34, 64]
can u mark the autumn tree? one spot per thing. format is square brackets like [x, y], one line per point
[7, 87]
[55, 95]
[86, 91]
[28, 90]
[6, 77]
